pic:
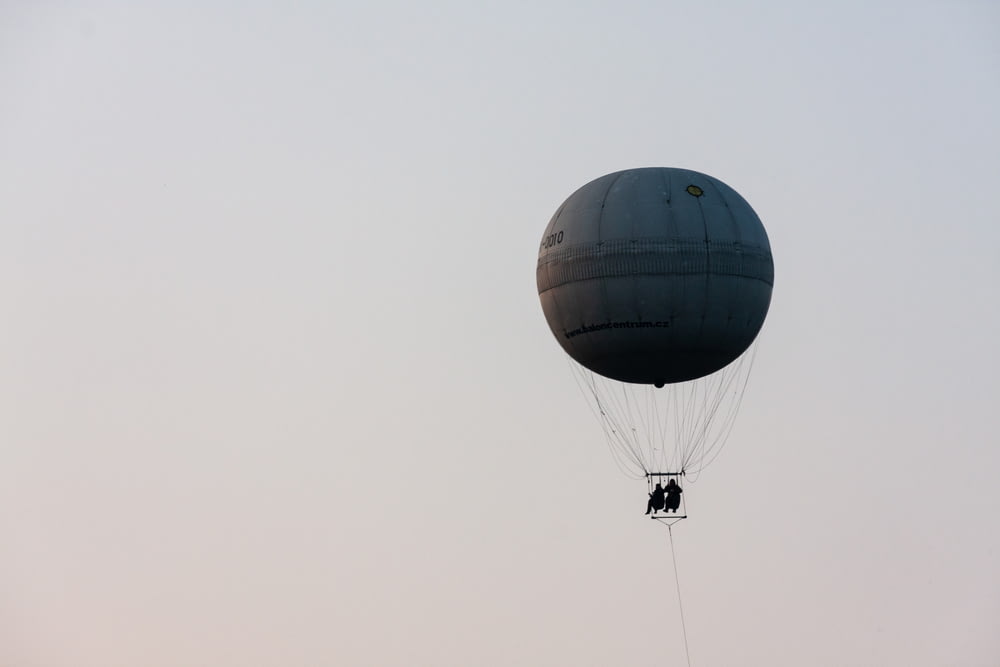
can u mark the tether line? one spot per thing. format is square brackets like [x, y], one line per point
[677, 580]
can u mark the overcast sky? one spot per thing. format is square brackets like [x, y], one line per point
[275, 385]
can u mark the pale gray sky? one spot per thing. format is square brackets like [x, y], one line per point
[275, 387]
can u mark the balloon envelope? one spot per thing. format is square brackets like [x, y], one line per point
[655, 275]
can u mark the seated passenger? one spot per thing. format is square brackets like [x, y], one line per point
[656, 499]
[673, 499]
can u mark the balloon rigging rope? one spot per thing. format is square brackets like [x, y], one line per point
[638, 420]
[610, 433]
[614, 431]
[693, 411]
[708, 402]
[663, 421]
[726, 428]
[736, 382]
[646, 418]
[680, 605]
[610, 405]
[683, 399]
[620, 408]
[629, 415]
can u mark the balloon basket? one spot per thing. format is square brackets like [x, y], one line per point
[665, 516]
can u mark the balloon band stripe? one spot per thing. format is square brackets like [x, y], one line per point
[611, 259]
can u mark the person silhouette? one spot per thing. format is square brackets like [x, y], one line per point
[673, 499]
[656, 499]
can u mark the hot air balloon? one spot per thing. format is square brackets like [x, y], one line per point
[656, 282]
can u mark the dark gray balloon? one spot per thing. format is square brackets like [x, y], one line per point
[655, 275]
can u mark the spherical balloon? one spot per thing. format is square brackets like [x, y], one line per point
[655, 275]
